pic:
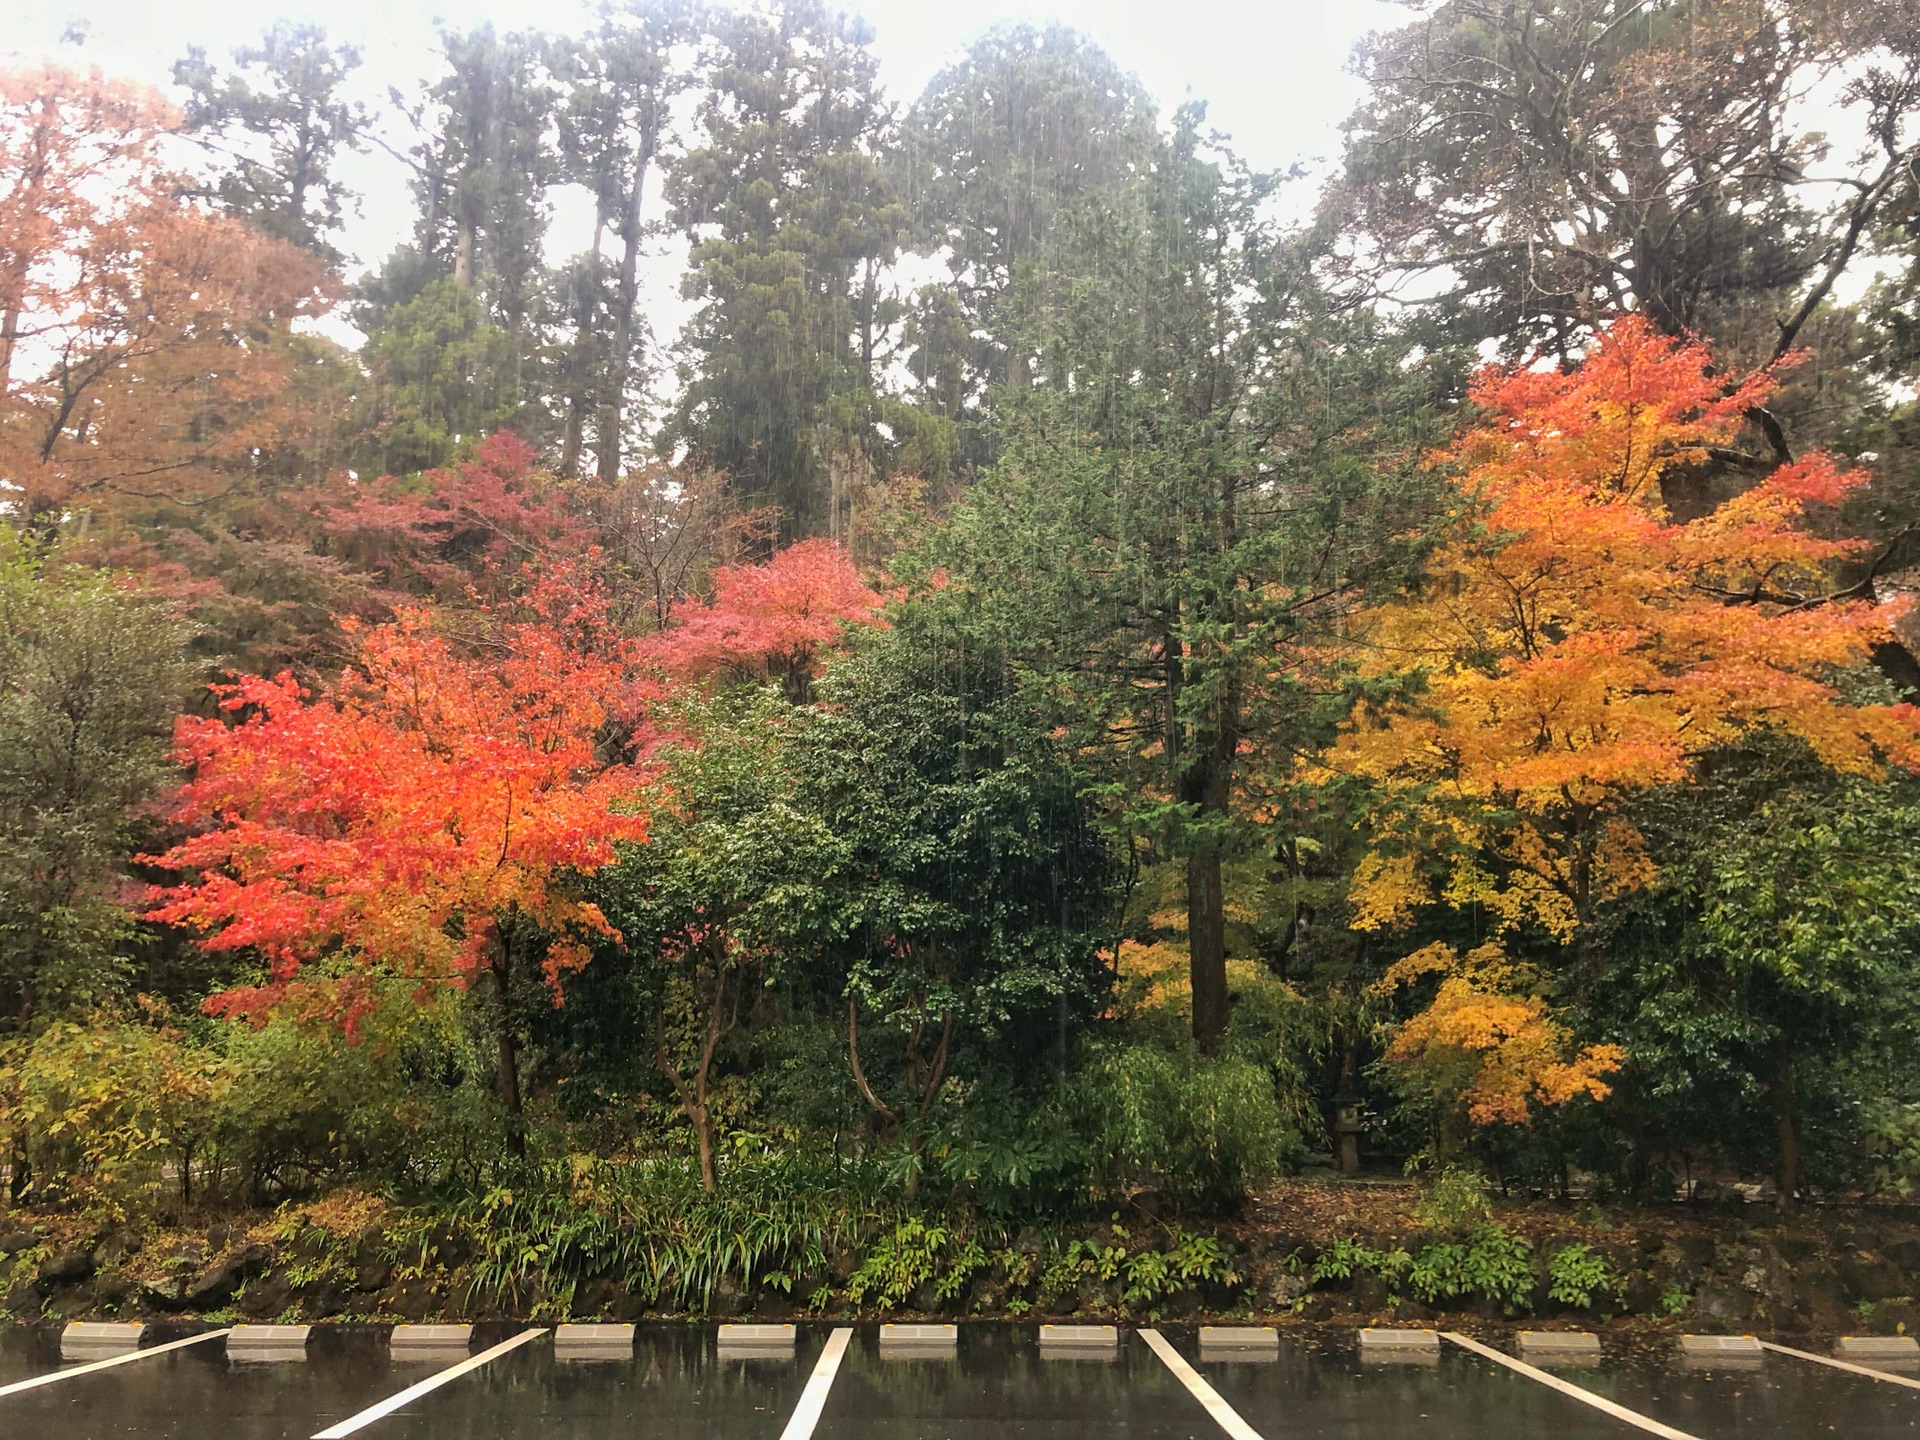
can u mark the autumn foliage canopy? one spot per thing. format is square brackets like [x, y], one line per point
[455, 531]
[451, 784]
[1580, 645]
[1075, 698]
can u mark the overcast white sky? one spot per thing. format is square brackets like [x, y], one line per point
[1274, 74]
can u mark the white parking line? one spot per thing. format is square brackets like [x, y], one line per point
[93, 1365]
[813, 1399]
[1554, 1382]
[1836, 1363]
[427, 1386]
[1224, 1414]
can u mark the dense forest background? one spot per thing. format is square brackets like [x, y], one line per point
[1058, 687]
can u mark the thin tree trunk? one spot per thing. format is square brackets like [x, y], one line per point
[1785, 1104]
[463, 255]
[1207, 947]
[581, 400]
[22, 1175]
[722, 1017]
[1191, 757]
[693, 1101]
[1205, 784]
[703, 1137]
[32, 177]
[510, 1089]
[608, 439]
[509, 1051]
[571, 443]
[297, 184]
[9, 338]
[880, 1106]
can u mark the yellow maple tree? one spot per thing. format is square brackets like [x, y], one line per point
[1576, 645]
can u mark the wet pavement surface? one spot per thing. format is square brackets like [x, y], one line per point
[995, 1386]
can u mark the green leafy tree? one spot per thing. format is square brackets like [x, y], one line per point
[1028, 123]
[730, 890]
[976, 888]
[100, 1108]
[1882, 427]
[621, 85]
[91, 675]
[441, 377]
[480, 164]
[1526, 171]
[1177, 515]
[487, 165]
[1766, 991]
[1523, 172]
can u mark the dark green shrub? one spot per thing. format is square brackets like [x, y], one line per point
[1198, 1131]
[1486, 1263]
[1577, 1273]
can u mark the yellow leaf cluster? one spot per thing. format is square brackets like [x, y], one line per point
[1503, 1053]
[1578, 645]
[1152, 976]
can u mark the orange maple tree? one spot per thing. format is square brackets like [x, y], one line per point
[424, 816]
[775, 620]
[1579, 645]
[146, 346]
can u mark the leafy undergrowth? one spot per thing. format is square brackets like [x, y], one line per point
[824, 1239]
[1486, 1262]
[590, 1239]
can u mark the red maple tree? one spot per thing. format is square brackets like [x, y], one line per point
[426, 815]
[775, 620]
[469, 527]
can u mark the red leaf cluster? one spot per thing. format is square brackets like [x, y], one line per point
[776, 619]
[472, 525]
